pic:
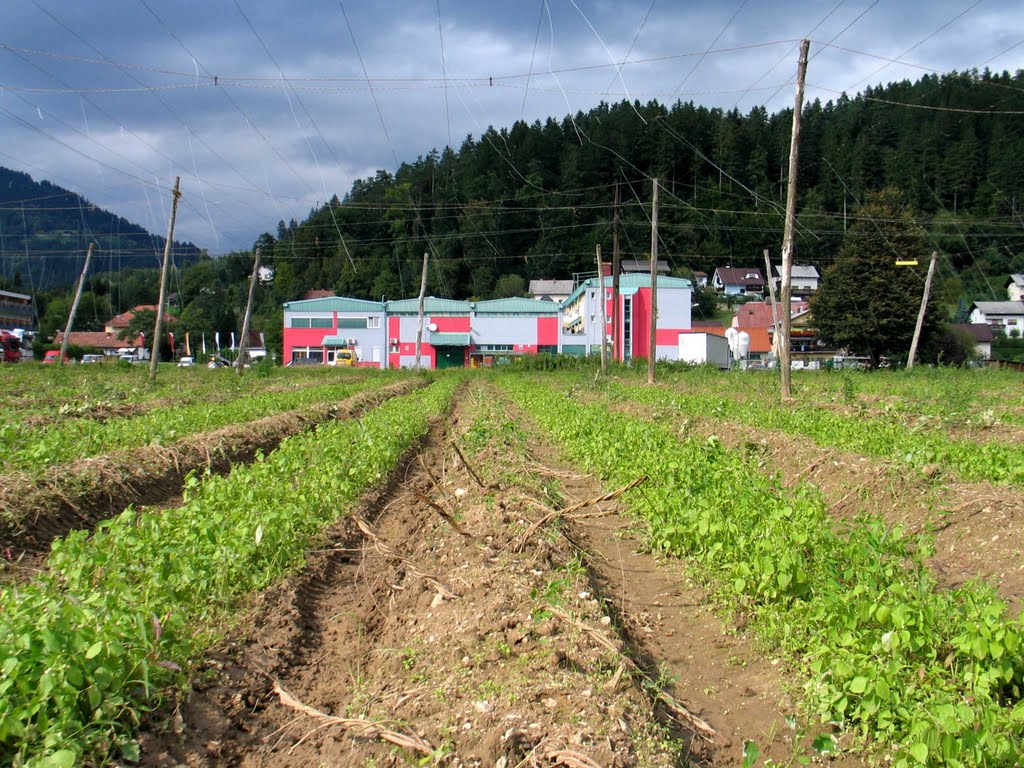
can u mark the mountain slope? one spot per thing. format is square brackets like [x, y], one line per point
[45, 230]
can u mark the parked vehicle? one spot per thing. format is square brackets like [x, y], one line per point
[53, 356]
[186, 362]
[11, 345]
[91, 359]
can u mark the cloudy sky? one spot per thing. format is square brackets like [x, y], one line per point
[267, 108]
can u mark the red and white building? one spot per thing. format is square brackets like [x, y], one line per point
[462, 333]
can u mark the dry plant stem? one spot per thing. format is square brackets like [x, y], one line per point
[570, 759]
[700, 727]
[444, 514]
[365, 729]
[466, 464]
[385, 551]
[554, 514]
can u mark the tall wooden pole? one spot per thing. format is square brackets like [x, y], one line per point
[602, 322]
[419, 316]
[775, 307]
[787, 239]
[617, 353]
[244, 341]
[175, 194]
[652, 348]
[922, 310]
[74, 307]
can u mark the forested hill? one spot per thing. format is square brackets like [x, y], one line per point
[45, 231]
[530, 201]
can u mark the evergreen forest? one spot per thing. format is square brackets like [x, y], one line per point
[531, 200]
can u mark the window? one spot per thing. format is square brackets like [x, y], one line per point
[373, 322]
[547, 349]
[312, 322]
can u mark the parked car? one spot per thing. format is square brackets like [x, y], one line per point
[92, 359]
[186, 362]
[53, 356]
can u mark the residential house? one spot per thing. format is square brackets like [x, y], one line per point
[803, 279]
[1005, 317]
[803, 338]
[1015, 290]
[551, 290]
[700, 278]
[107, 343]
[118, 323]
[16, 311]
[982, 335]
[738, 281]
[642, 266]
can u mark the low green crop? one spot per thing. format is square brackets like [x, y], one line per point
[936, 676]
[79, 438]
[125, 610]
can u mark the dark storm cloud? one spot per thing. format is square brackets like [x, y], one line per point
[253, 151]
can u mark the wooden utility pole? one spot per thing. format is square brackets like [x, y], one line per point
[652, 349]
[921, 312]
[617, 354]
[775, 308]
[243, 342]
[601, 313]
[787, 239]
[175, 194]
[419, 316]
[74, 307]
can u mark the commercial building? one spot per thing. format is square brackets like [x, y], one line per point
[463, 333]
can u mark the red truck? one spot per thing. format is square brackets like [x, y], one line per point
[11, 345]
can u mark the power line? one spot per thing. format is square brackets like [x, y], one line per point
[721, 32]
[918, 44]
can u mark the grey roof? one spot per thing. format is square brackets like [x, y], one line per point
[333, 304]
[559, 287]
[1017, 279]
[1001, 307]
[798, 270]
[643, 265]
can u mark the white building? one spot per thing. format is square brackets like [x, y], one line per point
[1001, 316]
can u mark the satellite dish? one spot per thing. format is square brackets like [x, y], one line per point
[432, 327]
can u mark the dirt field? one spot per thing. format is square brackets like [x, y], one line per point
[468, 623]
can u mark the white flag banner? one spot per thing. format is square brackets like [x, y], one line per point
[232, 341]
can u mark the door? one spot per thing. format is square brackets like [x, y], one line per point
[450, 357]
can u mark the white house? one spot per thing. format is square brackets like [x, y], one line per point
[1015, 290]
[738, 281]
[551, 290]
[1005, 317]
[803, 279]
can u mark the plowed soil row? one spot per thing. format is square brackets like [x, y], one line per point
[34, 511]
[977, 526]
[469, 624]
